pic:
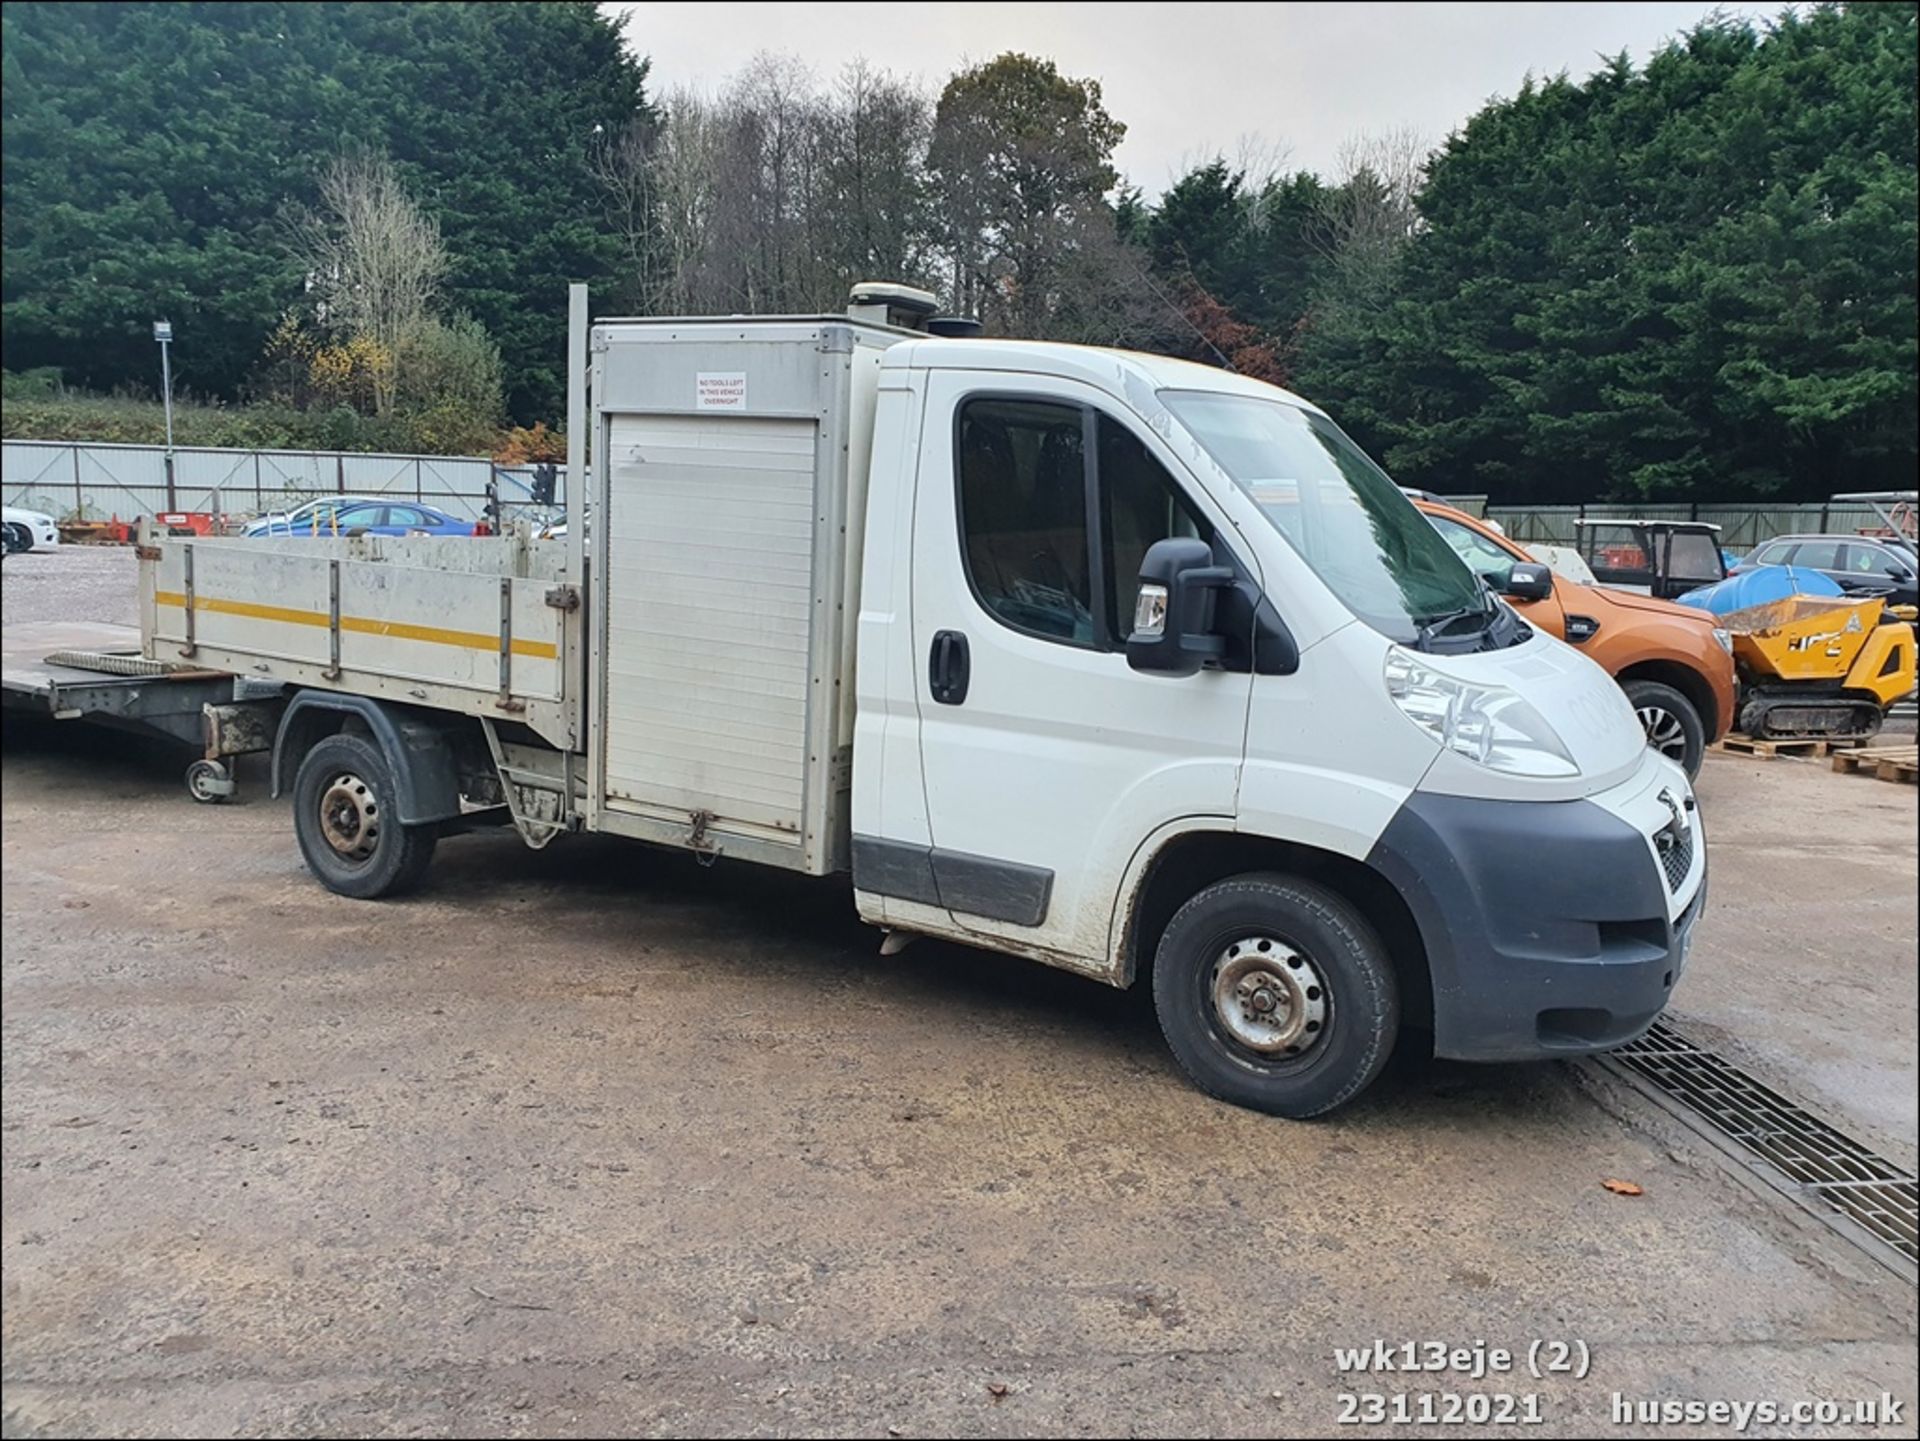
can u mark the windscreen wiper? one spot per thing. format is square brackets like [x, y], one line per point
[1431, 630]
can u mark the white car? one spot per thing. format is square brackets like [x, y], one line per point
[41, 532]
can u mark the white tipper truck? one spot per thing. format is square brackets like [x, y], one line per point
[1128, 665]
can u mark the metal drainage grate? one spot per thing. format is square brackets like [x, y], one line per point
[1791, 1149]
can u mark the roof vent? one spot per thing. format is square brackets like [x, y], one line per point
[882, 302]
[954, 327]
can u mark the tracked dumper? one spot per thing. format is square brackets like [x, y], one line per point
[1819, 666]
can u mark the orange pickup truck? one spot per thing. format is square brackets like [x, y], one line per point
[1674, 663]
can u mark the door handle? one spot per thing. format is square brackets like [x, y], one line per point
[949, 667]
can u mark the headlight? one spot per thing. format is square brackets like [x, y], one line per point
[1724, 638]
[1488, 724]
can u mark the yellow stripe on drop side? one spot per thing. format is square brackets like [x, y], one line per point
[360, 625]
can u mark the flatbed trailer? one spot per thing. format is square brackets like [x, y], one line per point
[93, 671]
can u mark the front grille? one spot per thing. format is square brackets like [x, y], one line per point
[1790, 1148]
[1675, 844]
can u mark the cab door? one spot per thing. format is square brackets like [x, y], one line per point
[1047, 761]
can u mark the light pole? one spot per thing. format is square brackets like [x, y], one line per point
[163, 332]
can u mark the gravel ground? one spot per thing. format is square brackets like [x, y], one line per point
[594, 1141]
[73, 582]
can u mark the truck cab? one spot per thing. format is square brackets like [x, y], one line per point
[1158, 671]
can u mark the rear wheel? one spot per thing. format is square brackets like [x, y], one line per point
[1671, 721]
[348, 824]
[1274, 993]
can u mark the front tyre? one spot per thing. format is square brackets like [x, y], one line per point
[1671, 721]
[1275, 994]
[349, 826]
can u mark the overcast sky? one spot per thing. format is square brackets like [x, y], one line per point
[1190, 80]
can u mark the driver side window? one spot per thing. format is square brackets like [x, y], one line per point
[1028, 470]
[1139, 504]
[1023, 515]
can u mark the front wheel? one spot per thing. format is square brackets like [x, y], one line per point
[1274, 993]
[348, 825]
[1671, 721]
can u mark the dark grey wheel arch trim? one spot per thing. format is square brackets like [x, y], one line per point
[425, 781]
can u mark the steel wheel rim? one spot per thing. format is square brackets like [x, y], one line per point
[1268, 998]
[1664, 731]
[350, 817]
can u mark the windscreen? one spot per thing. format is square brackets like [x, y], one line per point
[1340, 511]
[1695, 555]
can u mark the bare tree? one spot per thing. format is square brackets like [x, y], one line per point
[1369, 212]
[626, 164]
[1260, 161]
[776, 195]
[685, 177]
[1397, 156]
[771, 115]
[1104, 293]
[733, 184]
[373, 259]
[874, 130]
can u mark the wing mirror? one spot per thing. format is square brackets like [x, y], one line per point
[1173, 614]
[1528, 580]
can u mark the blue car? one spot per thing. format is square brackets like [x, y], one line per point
[365, 517]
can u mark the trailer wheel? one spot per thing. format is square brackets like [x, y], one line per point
[1274, 993]
[1672, 724]
[209, 782]
[347, 824]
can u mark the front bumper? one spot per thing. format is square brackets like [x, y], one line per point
[1552, 928]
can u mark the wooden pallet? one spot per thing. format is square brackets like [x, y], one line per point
[1889, 763]
[1815, 747]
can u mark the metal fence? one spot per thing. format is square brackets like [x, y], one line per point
[86, 481]
[1742, 526]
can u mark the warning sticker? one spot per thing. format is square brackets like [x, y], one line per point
[720, 390]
